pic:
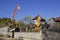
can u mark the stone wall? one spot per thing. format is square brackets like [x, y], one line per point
[2, 38]
[30, 35]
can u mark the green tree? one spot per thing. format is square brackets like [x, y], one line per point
[3, 21]
[20, 23]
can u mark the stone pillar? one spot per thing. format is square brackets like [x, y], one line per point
[12, 34]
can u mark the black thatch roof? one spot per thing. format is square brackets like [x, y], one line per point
[35, 17]
[42, 19]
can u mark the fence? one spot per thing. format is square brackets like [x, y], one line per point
[25, 35]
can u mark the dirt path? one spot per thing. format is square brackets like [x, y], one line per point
[52, 35]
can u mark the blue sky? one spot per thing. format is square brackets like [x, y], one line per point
[45, 8]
